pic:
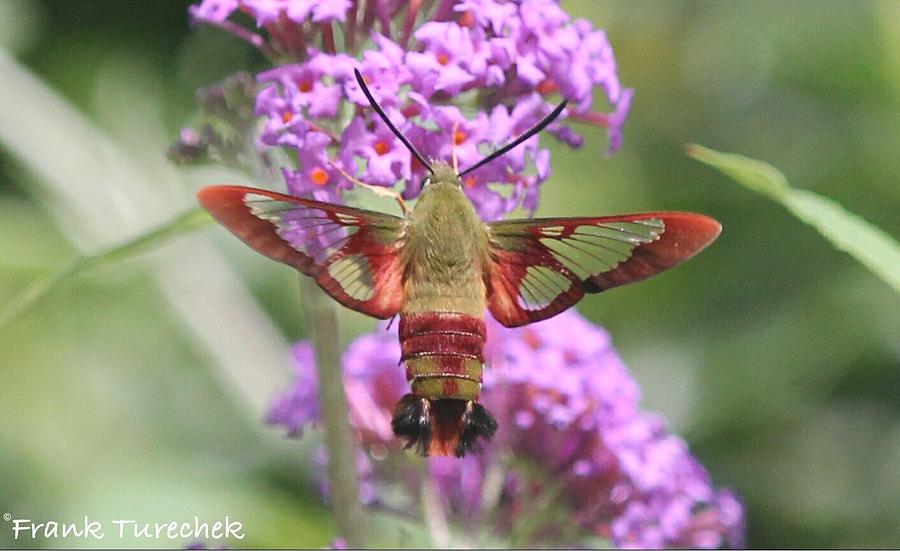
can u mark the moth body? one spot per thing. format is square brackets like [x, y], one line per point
[439, 268]
[442, 331]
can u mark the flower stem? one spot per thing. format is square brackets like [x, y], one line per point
[342, 473]
[411, 13]
[433, 511]
[253, 38]
[328, 43]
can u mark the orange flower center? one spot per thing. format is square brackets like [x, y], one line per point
[319, 176]
[467, 19]
[547, 86]
[443, 59]
[305, 86]
[469, 182]
[531, 339]
[459, 137]
[381, 147]
[287, 117]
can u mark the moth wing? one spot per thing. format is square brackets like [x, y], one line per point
[353, 254]
[538, 268]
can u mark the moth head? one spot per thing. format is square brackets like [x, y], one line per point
[443, 174]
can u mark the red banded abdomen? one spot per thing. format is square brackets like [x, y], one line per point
[443, 353]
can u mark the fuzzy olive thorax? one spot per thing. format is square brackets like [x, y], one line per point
[446, 249]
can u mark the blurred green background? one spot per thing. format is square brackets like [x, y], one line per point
[137, 391]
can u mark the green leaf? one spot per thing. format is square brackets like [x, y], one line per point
[185, 223]
[873, 248]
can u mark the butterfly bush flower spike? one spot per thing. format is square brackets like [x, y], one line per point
[572, 432]
[470, 76]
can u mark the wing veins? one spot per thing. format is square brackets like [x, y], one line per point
[577, 264]
[340, 274]
[530, 302]
[619, 230]
[364, 219]
[318, 234]
[270, 208]
[513, 228]
[539, 247]
[595, 257]
[637, 237]
[598, 245]
[539, 285]
[298, 224]
[550, 282]
[294, 207]
[337, 245]
[328, 230]
[533, 290]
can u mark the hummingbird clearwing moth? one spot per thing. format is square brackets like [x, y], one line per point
[440, 267]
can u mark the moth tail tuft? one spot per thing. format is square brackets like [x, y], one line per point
[477, 423]
[412, 422]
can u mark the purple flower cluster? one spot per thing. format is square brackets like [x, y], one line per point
[571, 432]
[503, 61]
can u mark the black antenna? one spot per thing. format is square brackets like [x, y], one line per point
[387, 121]
[531, 132]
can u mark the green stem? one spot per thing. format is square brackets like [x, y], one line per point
[180, 225]
[433, 510]
[342, 473]
[540, 511]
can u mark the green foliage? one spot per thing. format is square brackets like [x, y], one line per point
[869, 245]
[31, 296]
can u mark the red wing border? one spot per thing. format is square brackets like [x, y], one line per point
[541, 267]
[353, 254]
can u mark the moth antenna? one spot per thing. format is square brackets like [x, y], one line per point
[387, 121]
[529, 133]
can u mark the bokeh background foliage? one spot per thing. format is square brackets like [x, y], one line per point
[132, 392]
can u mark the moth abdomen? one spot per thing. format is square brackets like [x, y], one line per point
[444, 357]
[443, 353]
